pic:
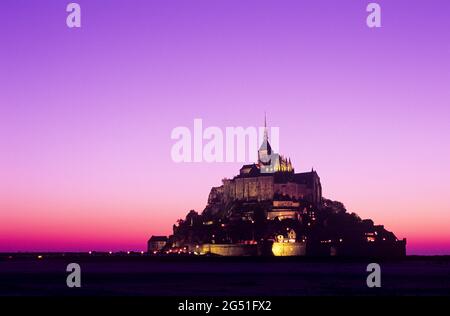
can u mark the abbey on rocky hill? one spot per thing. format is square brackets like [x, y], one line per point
[268, 209]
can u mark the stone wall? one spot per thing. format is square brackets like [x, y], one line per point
[229, 249]
[239, 250]
[255, 188]
[288, 249]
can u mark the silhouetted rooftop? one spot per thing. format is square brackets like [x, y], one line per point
[158, 238]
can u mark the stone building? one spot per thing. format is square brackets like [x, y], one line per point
[156, 243]
[269, 209]
[273, 175]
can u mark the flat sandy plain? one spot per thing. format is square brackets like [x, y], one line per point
[142, 275]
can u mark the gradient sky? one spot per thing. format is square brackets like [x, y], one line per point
[86, 114]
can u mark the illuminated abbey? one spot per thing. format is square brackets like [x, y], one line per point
[270, 210]
[272, 176]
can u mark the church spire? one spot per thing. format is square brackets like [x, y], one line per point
[266, 136]
[265, 151]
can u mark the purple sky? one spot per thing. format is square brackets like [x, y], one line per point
[86, 114]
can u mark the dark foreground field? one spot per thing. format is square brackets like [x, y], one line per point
[194, 276]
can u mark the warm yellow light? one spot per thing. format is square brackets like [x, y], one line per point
[39, 257]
